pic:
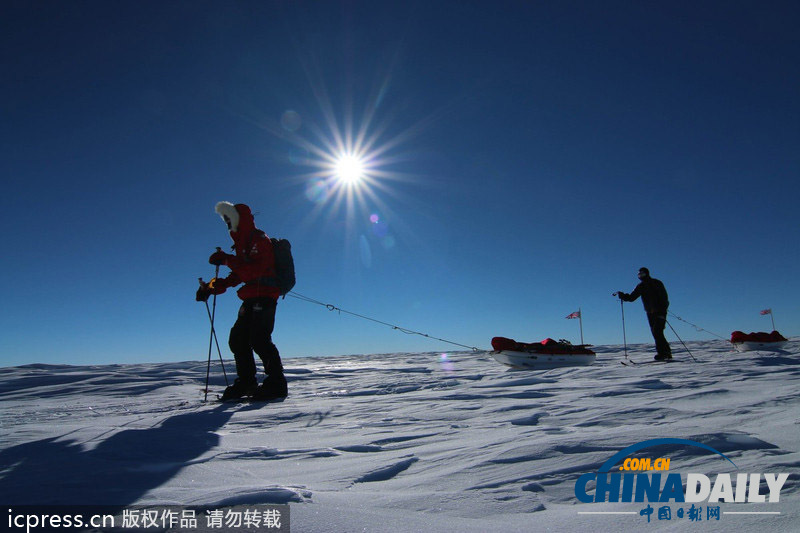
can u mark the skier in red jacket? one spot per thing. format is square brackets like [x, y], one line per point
[254, 265]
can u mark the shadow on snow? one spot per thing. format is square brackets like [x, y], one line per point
[118, 471]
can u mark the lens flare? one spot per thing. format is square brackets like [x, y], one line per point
[317, 191]
[446, 364]
[291, 120]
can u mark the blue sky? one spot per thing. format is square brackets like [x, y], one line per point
[524, 160]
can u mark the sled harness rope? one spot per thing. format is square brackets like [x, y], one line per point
[331, 307]
[698, 328]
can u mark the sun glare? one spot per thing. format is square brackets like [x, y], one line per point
[351, 161]
[349, 169]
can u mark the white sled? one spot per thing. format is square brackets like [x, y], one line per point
[542, 361]
[752, 346]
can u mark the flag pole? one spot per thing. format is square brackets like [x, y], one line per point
[771, 316]
[580, 322]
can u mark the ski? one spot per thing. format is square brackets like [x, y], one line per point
[631, 362]
[230, 401]
[247, 400]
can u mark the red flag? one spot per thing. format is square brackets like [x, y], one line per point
[766, 312]
[576, 314]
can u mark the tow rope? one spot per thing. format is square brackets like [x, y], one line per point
[331, 307]
[698, 328]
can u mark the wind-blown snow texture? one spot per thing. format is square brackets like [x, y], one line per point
[401, 442]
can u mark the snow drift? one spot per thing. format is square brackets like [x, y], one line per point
[401, 442]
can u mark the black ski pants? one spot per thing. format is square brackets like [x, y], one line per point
[252, 332]
[657, 324]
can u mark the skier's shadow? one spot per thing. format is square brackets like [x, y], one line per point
[116, 472]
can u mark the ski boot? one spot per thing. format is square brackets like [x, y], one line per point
[273, 388]
[239, 390]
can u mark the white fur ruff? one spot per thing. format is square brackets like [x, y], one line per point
[227, 209]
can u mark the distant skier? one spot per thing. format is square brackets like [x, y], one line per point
[253, 265]
[656, 302]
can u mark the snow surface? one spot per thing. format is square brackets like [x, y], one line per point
[402, 442]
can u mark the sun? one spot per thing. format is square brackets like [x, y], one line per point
[349, 169]
[352, 161]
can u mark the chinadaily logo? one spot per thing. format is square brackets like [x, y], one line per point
[636, 475]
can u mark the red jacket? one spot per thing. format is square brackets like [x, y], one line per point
[254, 262]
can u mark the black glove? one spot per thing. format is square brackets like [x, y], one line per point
[203, 292]
[218, 258]
[215, 286]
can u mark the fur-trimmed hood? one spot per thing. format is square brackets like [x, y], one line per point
[238, 217]
[229, 215]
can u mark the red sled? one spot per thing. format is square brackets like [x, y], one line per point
[754, 341]
[541, 355]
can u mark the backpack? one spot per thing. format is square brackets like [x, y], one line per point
[284, 265]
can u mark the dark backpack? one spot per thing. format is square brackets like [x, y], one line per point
[284, 265]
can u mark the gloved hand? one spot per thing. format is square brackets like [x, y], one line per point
[203, 292]
[215, 286]
[218, 258]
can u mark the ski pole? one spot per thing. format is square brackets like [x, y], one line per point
[213, 330]
[213, 337]
[624, 335]
[210, 344]
[679, 338]
[219, 352]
